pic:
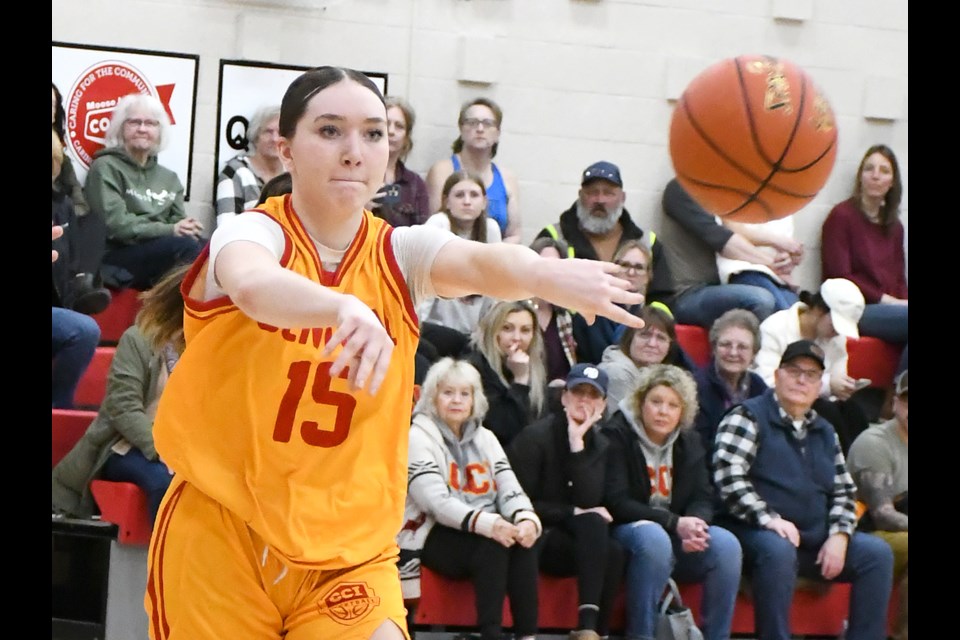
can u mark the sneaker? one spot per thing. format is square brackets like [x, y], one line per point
[88, 298]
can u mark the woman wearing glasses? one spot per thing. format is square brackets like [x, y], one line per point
[473, 152]
[140, 201]
[655, 343]
[727, 380]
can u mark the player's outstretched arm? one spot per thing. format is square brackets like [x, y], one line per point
[515, 272]
[268, 293]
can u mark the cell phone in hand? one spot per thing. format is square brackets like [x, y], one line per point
[862, 383]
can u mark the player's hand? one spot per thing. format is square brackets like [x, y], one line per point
[367, 347]
[832, 555]
[505, 532]
[589, 287]
[785, 529]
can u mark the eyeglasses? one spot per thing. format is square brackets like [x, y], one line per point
[473, 123]
[136, 123]
[803, 375]
[656, 336]
[727, 345]
[632, 267]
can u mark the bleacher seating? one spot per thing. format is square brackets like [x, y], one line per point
[118, 316]
[818, 609]
[695, 341]
[874, 359]
[93, 384]
[68, 425]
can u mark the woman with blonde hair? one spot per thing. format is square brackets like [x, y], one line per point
[661, 500]
[507, 350]
[466, 514]
[118, 444]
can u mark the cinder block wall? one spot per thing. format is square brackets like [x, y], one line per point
[578, 80]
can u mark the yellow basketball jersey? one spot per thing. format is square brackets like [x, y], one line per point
[251, 416]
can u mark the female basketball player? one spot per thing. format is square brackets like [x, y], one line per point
[284, 418]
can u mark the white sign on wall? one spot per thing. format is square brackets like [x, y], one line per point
[247, 86]
[92, 80]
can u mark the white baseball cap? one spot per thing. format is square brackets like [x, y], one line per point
[846, 305]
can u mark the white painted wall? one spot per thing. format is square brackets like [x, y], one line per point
[578, 80]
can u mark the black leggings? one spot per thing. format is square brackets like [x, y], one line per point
[575, 548]
[494, 570]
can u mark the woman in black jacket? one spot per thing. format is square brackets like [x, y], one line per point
[661, 500]
[561, 462]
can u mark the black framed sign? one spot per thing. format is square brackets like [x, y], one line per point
[92, 79]
[246, 86]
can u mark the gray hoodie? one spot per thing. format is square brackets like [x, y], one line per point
[658, 456]
[483, 490]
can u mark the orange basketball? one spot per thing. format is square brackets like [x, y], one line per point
[752, 138]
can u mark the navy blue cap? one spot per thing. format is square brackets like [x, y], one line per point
[602, 171]
[586, 373]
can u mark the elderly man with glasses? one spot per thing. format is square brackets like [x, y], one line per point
[789, 498]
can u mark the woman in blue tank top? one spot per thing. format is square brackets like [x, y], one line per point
[473, 151]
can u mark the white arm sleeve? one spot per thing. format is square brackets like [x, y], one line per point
[416, 248]
[251, 226]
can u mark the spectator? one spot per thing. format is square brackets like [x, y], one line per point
[118, 444]
[561, 462]
[507, 350]
[789, 499]
[776, 239]
[878, 462]
[695, 239]
[75, 339]
[660, 497]
[242, 178]
[141, 201]
[331, 310]
[402, 200]
[655, 343]
[467, 515]
[73, 288]
[473, 151]
[728, 379]
[828, 318]
[863, 241]
[635, 261]
[556, 324]
[597, 224]
[77, 285]
[448, 322]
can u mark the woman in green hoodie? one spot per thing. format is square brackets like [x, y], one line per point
[140, 201]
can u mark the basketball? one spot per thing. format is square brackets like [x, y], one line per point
[752, 139]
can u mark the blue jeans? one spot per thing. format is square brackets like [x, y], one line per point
[774, 564]
[75, 339]
[783, 296]
[885, 321]
[702, 305]
[653, 555]
[150, 260]
[152, 476]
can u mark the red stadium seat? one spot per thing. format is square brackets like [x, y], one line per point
[68, 425]
[695, 341]
[873, 358]
[125, 505]
[118, 316]
[93, 384]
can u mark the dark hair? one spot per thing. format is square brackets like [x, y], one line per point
[814, 300]
[479, 231]
[59, 122]
[657, 316]
[409, 115]
[457, 145]
[541, 243]
[276, 186]
[309, 84]
[890, 209]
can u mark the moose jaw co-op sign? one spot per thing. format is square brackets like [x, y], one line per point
[92, 81]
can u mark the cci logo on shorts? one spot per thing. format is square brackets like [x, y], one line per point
[349, 602]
